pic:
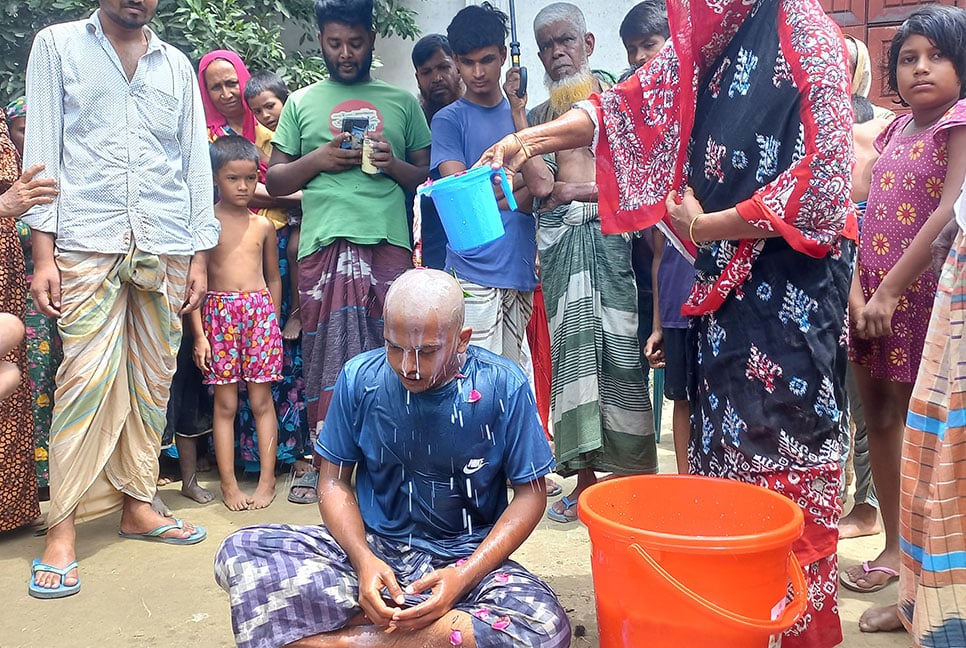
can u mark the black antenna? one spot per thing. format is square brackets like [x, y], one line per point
[515, 53]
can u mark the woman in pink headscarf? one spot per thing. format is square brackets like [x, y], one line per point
[222, 76]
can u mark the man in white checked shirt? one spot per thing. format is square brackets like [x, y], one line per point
[120, 254]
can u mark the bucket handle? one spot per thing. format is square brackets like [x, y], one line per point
[789, 616]
[511, 200]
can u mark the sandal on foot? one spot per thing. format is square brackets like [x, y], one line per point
[308, 479]
[566, 517]
[61, 590]
[553, 488]
[866, 570]
[156, 535]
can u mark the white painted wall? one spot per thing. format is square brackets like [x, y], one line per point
[603, 19]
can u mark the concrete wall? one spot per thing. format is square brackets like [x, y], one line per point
[603, 19]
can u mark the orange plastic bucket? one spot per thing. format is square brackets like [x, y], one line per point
[680, 560]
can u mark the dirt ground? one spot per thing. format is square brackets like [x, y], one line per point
[141, 594]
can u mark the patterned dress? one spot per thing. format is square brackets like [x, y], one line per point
[907, 184]
[43, 357]
[18, 478]
[766, 130]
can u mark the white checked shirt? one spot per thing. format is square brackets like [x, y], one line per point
[130, 157]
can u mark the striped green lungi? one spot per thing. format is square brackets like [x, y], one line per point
[121, 331]
[599, 403]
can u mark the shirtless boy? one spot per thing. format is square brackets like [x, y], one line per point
[236, 334]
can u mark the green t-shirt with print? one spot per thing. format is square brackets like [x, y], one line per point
[361, 208]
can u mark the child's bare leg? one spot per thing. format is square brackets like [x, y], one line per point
[11, 336]
[293, 326]
[9, 379]
[681, 427]
[226, 406]
[266, 427]
[188, 460]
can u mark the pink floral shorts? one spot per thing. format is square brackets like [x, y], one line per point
[246, 343]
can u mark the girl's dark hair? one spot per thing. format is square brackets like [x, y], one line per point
[477, 26]
[266, 81]
[645, 19]
[355, 13]
[231, 148]
[427, 46]
[945, 27]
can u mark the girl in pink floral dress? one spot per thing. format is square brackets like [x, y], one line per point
[893, 291]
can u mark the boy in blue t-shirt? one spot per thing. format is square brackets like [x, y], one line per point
[432, 428]
[499, 276]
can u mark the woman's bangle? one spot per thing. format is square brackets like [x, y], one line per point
[523, 147]
[691, 230]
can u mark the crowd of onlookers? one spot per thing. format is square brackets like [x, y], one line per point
[219, 268]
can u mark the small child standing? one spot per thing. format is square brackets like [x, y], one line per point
[239, 338]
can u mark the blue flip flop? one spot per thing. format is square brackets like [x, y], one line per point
[563, 518]
[61, 590]
[155, 535]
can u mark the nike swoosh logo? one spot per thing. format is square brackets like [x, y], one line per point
[473, 466]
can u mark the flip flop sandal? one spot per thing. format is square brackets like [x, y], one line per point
[308, 479]
[553, 488]
[565, 517]
[855, 587]
[156, 535]
[61, 590]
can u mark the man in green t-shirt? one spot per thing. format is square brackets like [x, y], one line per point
[355, 236]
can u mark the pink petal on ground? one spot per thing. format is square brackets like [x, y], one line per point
[501, 577]
[456, 638]
[482, 613]
[474, 396]
[461, 561]
[502, 623]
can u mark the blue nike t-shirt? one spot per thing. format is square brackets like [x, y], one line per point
[432, 467]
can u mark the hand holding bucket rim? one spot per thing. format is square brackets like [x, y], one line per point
[508, 154]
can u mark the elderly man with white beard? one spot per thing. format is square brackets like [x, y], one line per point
[599, 402]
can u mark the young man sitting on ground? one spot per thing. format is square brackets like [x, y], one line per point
[432, 428]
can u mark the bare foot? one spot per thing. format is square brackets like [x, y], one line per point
[264, 493]
[881, 619]
[293, 328]
[862, 520]
[164, 480]
[235, 500]
[59, 552]
[159, 507]
[191, 489]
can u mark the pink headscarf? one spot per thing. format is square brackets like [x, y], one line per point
[215, 120]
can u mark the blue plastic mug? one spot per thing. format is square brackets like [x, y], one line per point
[467, 206]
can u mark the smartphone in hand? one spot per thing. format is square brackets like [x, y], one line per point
[356, 127]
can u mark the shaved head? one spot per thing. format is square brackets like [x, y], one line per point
[425, 337]
[419, 292]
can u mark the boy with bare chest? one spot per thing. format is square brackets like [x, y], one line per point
[237, 337]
